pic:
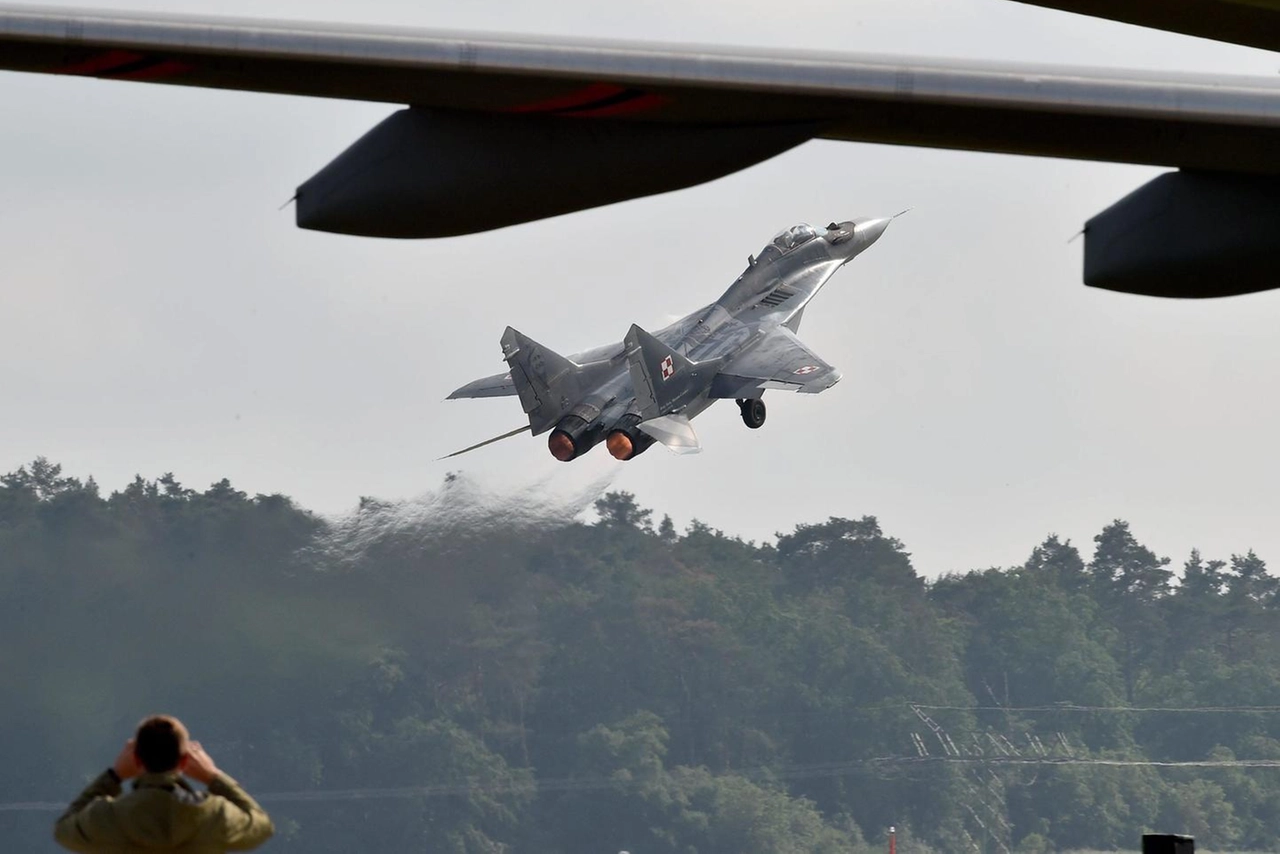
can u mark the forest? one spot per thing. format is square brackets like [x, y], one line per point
[477, 674]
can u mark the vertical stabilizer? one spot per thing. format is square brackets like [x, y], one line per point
[665, 381]
[548, 384]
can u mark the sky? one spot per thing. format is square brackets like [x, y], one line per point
[159, 313]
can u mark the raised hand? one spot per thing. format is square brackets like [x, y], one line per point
[197, 764]
[127, 765]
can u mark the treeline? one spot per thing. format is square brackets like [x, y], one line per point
[472, 675]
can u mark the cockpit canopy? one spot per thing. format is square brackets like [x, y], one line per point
[790, 238]
[786, 240]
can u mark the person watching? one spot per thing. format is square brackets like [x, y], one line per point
[163, 813]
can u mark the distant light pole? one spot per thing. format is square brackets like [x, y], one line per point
[893, 840]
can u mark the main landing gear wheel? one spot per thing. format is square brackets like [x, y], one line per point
[753, 412]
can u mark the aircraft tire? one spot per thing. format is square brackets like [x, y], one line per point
[753, 412]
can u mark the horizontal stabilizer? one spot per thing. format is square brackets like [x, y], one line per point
[498, 385]
[673, 431]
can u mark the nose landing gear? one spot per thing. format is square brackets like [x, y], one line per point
[753, 412]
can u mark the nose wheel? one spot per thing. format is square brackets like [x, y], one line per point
[753, 412]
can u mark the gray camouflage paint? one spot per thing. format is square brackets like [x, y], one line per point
[649, 386]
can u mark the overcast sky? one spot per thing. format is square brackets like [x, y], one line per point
[160, 314]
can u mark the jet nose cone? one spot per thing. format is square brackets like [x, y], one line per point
[865, 231]
[868, 231]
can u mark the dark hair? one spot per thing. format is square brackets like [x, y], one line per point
[160, 743]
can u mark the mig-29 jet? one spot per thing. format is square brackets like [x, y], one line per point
[647, 388]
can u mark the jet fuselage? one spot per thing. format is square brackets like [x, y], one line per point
[648, 387]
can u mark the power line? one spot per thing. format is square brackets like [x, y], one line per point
[794, 772]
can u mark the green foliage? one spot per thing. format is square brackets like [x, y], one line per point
[646, 806]
[460, 678]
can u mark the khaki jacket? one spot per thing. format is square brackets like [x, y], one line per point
[162, 815]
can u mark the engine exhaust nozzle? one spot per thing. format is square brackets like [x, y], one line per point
[625, 442]
[620, 445]
[562, 446]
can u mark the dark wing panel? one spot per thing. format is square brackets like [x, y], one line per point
[1175, 120]
[1247, 22]
[778, 360]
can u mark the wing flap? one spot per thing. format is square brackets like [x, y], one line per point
[776, 360]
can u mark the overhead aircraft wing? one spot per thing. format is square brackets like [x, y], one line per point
[1164, 119]
[488, 142]
[777, 359]
[1246, 22]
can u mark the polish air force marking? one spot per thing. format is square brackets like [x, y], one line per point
[668, 368]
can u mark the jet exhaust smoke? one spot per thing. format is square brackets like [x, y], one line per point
[451, 519]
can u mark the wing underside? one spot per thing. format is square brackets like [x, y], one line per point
[1251, 22]
[1164, 119]
[777, 360]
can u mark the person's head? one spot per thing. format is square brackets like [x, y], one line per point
[160, 743]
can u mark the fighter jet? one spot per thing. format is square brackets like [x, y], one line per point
[647, 388]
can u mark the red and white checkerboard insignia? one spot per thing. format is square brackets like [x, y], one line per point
[668, 368]
[807, 369]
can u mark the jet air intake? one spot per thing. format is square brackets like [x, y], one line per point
[427, 173]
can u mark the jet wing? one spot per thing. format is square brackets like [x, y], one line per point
[1245, 22]
[1203, 121]
[777, 359]
[498, 385]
